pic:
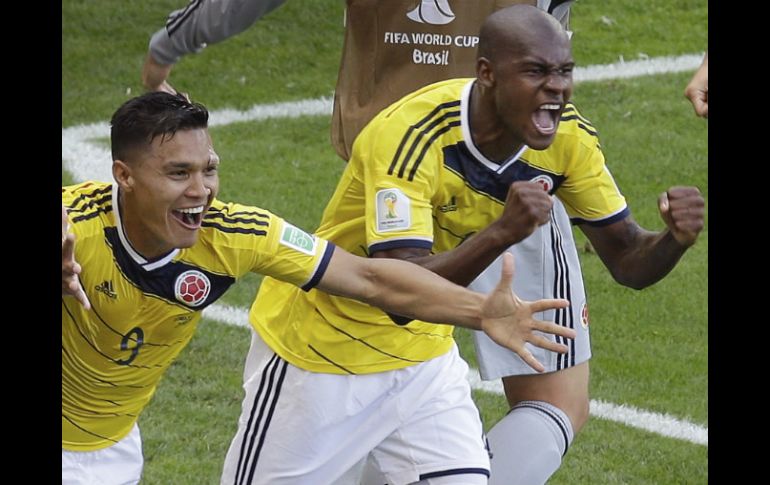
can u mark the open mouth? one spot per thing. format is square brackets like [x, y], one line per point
[546, 118]
[191, 218]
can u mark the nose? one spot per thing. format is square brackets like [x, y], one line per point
[558, 82]
[197, 188]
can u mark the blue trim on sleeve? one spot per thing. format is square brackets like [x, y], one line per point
[456, 471]
[400, 243]
[602, 222]
[321, 267]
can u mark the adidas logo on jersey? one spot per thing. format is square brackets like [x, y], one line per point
[450, 207]
[183, 319]
[106, 288]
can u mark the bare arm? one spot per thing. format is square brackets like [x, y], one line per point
[406, 289]
[527, 206]
[638, 258]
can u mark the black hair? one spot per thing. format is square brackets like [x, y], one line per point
[140, 120]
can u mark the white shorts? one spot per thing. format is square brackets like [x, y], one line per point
[546, 266]
[306, 428]
[119, 464]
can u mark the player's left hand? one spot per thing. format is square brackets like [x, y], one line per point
[508, 321]
[682, 209]
[70, 269]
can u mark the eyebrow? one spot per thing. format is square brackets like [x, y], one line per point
[542, 62]
[178, 164]
[174, 164]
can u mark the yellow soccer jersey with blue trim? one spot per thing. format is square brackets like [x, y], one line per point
[415, 179]
[145, 312]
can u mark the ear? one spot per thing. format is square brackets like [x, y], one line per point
[485, 75]
[121, 172]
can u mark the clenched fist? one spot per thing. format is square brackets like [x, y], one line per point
[682, 209]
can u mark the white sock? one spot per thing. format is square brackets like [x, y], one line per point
[527, 445]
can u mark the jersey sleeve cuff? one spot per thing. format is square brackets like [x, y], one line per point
[625, 212]
[322, 265]
[400, 243]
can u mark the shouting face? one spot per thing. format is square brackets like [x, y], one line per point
[529, 83]
[166, 189]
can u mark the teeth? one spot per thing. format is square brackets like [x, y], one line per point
[191, 210]
[550, 106]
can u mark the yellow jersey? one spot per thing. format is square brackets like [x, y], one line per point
[416, 179]
[145, 312]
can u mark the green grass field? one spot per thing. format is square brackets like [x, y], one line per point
[650, 347]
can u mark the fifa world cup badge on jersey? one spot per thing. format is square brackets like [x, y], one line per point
[298, 239]
[393, 210]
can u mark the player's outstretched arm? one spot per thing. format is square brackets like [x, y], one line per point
[70, 269]
[407, 289]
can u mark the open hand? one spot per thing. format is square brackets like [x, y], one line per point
[508, 321]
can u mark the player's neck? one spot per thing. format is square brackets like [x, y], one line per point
[487, 132]
[136, 233]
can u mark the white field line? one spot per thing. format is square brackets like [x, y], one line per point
[662, 424]
[87, 160]
[642, 67]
